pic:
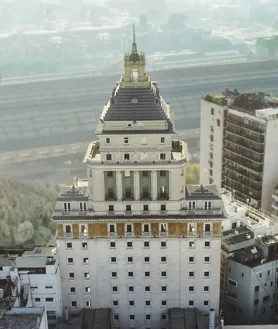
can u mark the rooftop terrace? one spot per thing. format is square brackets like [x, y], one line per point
[22, 318]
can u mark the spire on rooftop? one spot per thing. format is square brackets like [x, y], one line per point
[134, 45]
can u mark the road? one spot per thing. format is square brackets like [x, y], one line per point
[64, 110]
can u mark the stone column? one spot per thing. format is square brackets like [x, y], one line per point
[119, 186]
[154, 184]
[136, 185]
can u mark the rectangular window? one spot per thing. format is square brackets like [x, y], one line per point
[147, 288]
[147, 274]
[163, 288]
[128, 207]
[129, 229]
[130, 259]
[163, 259]
[66, 206]
[145, 173]
[72, 290]
[114, 289]
[191, 288]
[163, 207]
[206, 259]
[146, 228]
[70, 260]
[206, 288]
[86, 275]
[206, 303]
[147, 259]
[108, 157]
[131, 317]
[116, 317]
[73, 303]
[162, 140]
[211, 138]
[126, 156]
[87, 290]
[48, 287]
[129, 244]
[109, 173]
[69, 245]
[131, 303]
[206, 274]
[107, 140]
[111, 207]
[37, 299]
[88, 303]
[90, 173]
[218, 122]
[191, 259]
[232, 282]
[162, 156]
[162, 173]
[191, 303]
[130, 274]
[207, 227]
[164, 316]
[71, 275]
[163, 303]
[191, 244]
[212, 111]
[191, 274]
[131, 288]
[163, 244]
[232, 295]
[115, 303]
[85, 260]
[49, 299]
[208, 204]
[83, 206]
[113, 275]
[113, 259]
[84, 245]
[163, 274]
[147, 302]
[126, 141]
[113, 244]
[191, 205]
[207, 244]
[146, 244]
[145, 208]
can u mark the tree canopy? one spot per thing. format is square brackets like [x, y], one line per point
[25, 212]
[192, 173]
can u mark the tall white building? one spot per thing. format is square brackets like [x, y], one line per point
[134, 237]
[238, 145]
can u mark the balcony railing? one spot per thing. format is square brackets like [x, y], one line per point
[243, 143]
[239, 170]
[146, 234]
[67, 234]
[82, 213]
[257, 187]
[112, 234]
[129, 234]
[145, 196]
[83, 234]
[245, 154]
[163, 233]
[275, 205]
[199, 211]
[238, 132]
[191, 233]
[163, 196]
[128, 197]
[128, 213]
[245, 163]
[239, 190]
[207, 234]
[111, 197]
[244, 126]
[145, 212]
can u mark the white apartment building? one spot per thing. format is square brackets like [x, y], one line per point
[134, 237]
[38, 276]
[238, 145]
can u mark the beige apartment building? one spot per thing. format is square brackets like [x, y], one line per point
[239, 144]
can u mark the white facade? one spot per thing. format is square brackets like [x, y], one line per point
[39, 275]
[136, 239]
[242, 150]
[211, 142]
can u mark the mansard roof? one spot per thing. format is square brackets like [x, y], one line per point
[135, 104]
[75, 194]
[201, 192]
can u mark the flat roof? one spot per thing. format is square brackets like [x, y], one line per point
[40, 251]
[31, 262]
[23, 319]
[4, 260]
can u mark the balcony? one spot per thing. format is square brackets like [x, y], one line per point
[241, 171]
[245, 192]
[145, 212]
[249, 164]
[111, 197]
[145, 196]
[146, 234]
[275, 205]
[82, 213]
[163, 234]
[129, 234]
[111, 213]
[275, 196]
[67, 234]
[83, 234]
[199, 211]
[245, 153]
[163, 196]
[128, 197]
[207, 234]
[112, 234]
[128, 213]
[244, 126]
[240, 133]
[243, 143]
[245, 182]
[191, 233]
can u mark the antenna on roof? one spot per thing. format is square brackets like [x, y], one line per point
[134, 41]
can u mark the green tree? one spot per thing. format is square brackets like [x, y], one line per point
[192, 173]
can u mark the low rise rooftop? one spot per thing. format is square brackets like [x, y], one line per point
[22, 318]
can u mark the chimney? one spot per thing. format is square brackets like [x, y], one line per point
[66, 314]
[211, 318]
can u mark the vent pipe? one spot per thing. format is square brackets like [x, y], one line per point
[66, 314]
[211, 318]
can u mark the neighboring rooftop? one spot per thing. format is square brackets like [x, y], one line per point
[189, 318]
[77, 193]
[202, 192]
[89, 319]
[5, 260]
[22, 318]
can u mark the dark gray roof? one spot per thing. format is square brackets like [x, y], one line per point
[75, 193]
[201, 192]
[133, 104]
[90, 319]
